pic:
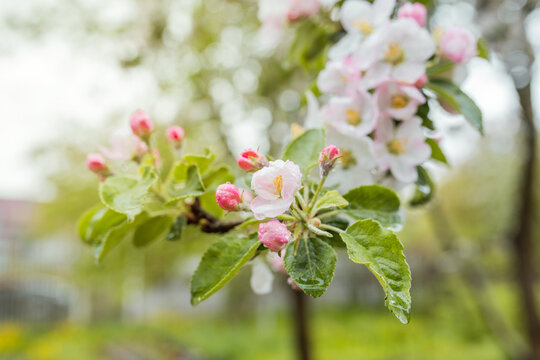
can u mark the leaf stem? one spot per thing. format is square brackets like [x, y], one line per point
[296, 244]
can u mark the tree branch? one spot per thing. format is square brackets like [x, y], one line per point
[208, 222]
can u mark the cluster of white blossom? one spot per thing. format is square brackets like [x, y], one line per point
[372, 89]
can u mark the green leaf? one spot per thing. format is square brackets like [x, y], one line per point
[210, 205]
[127, 195]
[382, 252]
[305, 149]
[152, 230]
[116, 234]
[97, 222]
[482, 48]
[331, 200]
[374, 202]
[176, 229]
[457, 99]
[215, 177]
[155, 206]
[423, 112]
[309, 46]
[425, 188]
[112, 238]
[312, 269]
[192, 185]
[439, 68]
[436, 151]
[83, 225]
[202, 162]
[220, 263]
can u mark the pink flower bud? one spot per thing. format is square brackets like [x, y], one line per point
[458, 45]
[141, 148]
[141, 124]
[422, 80]
[175, 135]
[302, 8]
[293, 284]
[274, 235]
[276, 261]
[328, 158]
[96, 163]
[251, 160]
[415, 11]
[229, 197]
[157, 157]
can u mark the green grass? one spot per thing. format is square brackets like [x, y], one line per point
[343, 334]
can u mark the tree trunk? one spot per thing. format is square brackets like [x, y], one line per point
[523, 238]
[301, 325]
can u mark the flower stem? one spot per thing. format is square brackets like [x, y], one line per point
[329, 214]
[300, 213]
[300, 200]
[331, 228]
[318, 231]
[286, 217]
[316, 195]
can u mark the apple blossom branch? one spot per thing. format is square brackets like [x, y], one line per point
[208, 222]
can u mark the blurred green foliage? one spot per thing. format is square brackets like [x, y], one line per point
[352, 333]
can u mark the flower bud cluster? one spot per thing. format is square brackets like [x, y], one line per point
[135, 147]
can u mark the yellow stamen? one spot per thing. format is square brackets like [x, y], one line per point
[397, 146]
[364, 26]
[399, 101]
[437, 34]
[278, 184]
[353, 117]
[345, 79]
[296, 130]
[347, 158]
[394, 54]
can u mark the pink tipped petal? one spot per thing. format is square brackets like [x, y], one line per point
[458, 45]
[416, 11]
[275, 187]
[141, 124]
[96, 163]
[274, 235]
[175, 135]
[228, 197]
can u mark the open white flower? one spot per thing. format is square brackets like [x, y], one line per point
[397, 51]
[398, 101]
[364, 17]
[339, 77]
[360, 19]
[357, 164]
[262, 278]
[401, 148]
[346, 46]
[275, 186]
[353, 116]
[314, 117]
